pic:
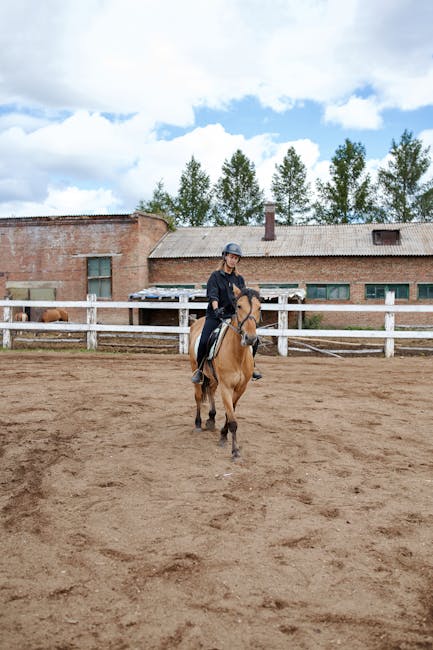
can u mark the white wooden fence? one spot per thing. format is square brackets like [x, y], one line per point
[91, 327]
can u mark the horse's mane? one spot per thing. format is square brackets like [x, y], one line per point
[250, 293]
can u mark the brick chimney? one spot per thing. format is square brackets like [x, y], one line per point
[269, 221]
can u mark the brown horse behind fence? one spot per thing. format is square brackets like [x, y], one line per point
[233, 366]
[52, 315]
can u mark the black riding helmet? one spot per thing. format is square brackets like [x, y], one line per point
[232, 248]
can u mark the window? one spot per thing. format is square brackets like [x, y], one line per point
[328, 291]
[386, 237]
[425, 291]
[99, 276]
[378, 291]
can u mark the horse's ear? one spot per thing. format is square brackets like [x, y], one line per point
[236, 291]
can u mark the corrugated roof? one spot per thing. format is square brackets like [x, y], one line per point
[291, 241]
[173, 292]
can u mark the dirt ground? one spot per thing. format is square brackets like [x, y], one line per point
[123, 528]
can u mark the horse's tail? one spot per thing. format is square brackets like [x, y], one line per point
[205, 390]
[205, 387]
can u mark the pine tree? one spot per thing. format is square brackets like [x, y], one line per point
[239, 199]
[290, 189]
[193, 203]
[161, 203]
[400, 183]
[349, 196]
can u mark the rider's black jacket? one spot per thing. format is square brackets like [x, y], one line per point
[220, 288]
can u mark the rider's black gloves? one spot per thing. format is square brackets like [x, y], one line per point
[219, 313]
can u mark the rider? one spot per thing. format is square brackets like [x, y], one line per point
[221, 302]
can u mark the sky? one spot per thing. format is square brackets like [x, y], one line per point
[102, 99]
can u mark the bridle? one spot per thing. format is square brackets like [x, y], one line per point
[240, 323]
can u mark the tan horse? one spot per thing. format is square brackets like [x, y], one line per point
[52, 315]
[21, 317]
[233, 366]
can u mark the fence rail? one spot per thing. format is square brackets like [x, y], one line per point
[91, 327]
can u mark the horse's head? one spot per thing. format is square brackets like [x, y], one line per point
[247, 314]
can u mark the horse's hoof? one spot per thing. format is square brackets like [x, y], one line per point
[198, 429]
[236, 455]
[210, 425]
[222, 442]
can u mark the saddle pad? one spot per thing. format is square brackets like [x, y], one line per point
[216, 345]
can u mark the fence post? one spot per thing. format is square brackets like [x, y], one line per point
[92, 336]
[7, 318]
[183, 322]
[283, 321]
[300, 316]
[389, 325]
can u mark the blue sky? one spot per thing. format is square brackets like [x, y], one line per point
[306, 120]
[101, 99]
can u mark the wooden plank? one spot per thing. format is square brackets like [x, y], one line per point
[319, 307]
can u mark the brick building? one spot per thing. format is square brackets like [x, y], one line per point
[353, 264]
[67, 257]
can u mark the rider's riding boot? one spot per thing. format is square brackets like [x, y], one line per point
[256, 374]
[197, 377]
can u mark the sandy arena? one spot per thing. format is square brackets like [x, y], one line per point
[122, 528]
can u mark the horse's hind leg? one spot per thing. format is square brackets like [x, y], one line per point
[198, 400]
[210, 422]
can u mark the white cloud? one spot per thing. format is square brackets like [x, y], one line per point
[90, 150]
[166, 57]
[70, 200]
[67, 63]
[427, 139]
[356, 113]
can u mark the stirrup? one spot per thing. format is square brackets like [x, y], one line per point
[256, 375]
[197, 377]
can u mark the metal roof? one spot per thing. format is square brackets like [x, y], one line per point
[416, 239]
[160, 293]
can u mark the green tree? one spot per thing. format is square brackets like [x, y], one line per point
[161, 203]
[290, 189]
[239, 199]
[349, 196]
[193, 203]
[424, 204]
[400, 183]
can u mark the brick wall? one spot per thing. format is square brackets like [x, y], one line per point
[52, 252]
[355, 271]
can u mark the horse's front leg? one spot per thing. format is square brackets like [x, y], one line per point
[223, 437]
[233, 427]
